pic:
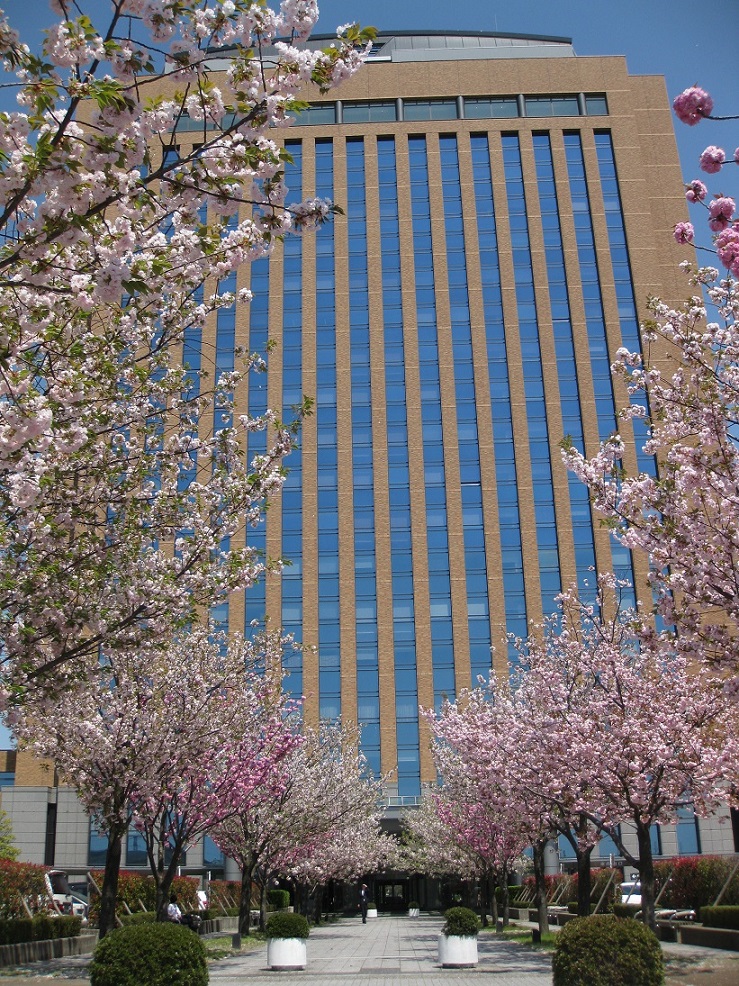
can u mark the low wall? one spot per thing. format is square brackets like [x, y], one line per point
[690, 934]
[215, 925]
[42, 951]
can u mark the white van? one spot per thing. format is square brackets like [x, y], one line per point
[631, 892]
[59, 891]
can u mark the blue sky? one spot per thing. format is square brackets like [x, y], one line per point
[678, 39]
[685, 42]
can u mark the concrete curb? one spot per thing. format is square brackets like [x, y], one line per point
[21, 953]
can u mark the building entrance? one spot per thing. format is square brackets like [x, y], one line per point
[392, 895]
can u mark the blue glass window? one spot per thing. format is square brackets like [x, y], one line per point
[379, 111]
[430, 109]
[433, 448]
[365, 584]
[565, 353]
[688, 832]
[621, 268]
[98, 846]
[505, 466]
[543, 490]
[291, 582]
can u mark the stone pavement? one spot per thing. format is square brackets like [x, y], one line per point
[394, 951]
[387, 951]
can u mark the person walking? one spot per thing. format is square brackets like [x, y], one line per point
[363, 901]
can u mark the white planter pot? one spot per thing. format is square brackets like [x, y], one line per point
[414, 912]
[371, 912]
[286, 953]
[457, 951]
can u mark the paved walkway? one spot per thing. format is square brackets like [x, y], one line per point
[395, 951]
[387, 951]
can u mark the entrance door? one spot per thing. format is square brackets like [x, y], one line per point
[392, 895]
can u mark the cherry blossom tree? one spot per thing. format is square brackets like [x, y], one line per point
[124, 489]
[630, 732]
[321, 823]
[489, 811]
[427, 845]
[685, 516]
[172, 743]
[604, 727]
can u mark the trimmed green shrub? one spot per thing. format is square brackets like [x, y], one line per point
[722, 916]
[282, 924]
[572, 907]
[40, 928]
[461, 921]
[278, 899]
[140, 917]
[150, 955]
[626, 910]
[607, 951]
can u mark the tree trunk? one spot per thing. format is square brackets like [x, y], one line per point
[263, 902]
[540, 891]
[164, 880]
[646, 875]
[583, 881]
[245, 897]
[482, 903]
[319, 904]
[506, 896]
[109, 891]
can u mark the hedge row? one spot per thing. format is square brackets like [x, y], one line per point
[136, 888]
[599, 878]
[720, 917]
[692, 882]
[696, 881]
[278, 899]
[40, 928]
[19, 882]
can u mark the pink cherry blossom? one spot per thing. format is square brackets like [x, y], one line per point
[605, 724]
[174, 742]
[98, 483]
[712, 159]
[684, 232]
[683, 518]
[692, 105]
[727, 248]
[321, 823]
[721, 211]
[696, 191]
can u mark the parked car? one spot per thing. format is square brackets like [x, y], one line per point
[80, 907]
[631, 892]
[58, 891]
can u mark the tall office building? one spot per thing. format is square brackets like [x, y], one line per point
[508, 208]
